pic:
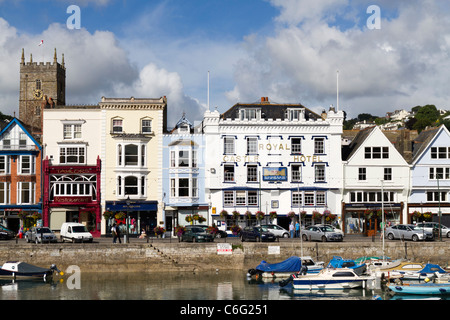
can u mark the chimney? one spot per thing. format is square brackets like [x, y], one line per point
[264, 99]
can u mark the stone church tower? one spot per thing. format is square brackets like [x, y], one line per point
[42, 85]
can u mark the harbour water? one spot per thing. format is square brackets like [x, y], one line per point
[221, 285]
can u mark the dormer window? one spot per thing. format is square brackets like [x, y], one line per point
[249, 114]
[294, 114]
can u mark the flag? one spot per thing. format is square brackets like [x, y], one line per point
[41, 43]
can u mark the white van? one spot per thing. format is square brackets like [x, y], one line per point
[74, 231]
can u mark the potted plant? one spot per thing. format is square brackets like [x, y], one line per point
[108, 214]
[316, 215]
[235, 214]
[303, 214]
[179, 230]
[235, 229]
[428, 214]
[248, 214]
[212, 230]
[159, 231]
[189, 219]
[291, 214]
[273, 215]
[368, 213]
[223, 214]
[201, 219]
[259, 215]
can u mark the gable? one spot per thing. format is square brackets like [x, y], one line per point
[374, 148]
[427, 140]
[16, 137]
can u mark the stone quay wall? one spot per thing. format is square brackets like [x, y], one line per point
[194, 257]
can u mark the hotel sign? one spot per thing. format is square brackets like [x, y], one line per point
[275, 174]
[73, 170]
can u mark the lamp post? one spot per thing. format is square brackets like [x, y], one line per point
[128, 209]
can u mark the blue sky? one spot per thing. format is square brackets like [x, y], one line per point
[288, 50]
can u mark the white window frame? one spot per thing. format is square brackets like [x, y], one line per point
[252, 145]
[31, 190]
[6, 199]
[117, 125]
[31, 162]
[63, 152]
[229, 145]
[317, 174]
[5, 164]
[146, 126]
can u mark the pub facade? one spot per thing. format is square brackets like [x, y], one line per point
[72, 167]
[270, 162]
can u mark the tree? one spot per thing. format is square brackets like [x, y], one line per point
[426, 116]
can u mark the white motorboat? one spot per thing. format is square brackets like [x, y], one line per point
[330, 278]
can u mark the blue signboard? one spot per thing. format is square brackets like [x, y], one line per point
[275, 174]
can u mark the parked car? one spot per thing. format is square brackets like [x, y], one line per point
[257, 233]
[433, 227]
[74, 231]
[407, 231]
[321, 233]
[219, 234]
[40, 235]
[6, 234]
[196, 234]
[333, 227]
[278, 231]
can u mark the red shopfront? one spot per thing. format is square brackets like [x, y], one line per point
[72, 194]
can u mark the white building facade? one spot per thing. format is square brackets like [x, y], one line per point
[279, 159]
[372, 167]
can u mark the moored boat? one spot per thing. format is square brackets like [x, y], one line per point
[332, 278]
[422, 288]
[23, 270]
[339, 262]
[287, 267]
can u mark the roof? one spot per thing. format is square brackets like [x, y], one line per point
[423, 140]
[268, 110]
[361, 136]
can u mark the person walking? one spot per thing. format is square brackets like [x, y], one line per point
[297, 229]
[116, 233]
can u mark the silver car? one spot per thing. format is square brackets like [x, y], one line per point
[409, 232]
[432, 226]
[40, 235]
[321, 233]
[278, 231]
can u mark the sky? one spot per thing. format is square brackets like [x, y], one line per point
[393, 56]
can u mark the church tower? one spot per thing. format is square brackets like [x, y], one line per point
[42, 85]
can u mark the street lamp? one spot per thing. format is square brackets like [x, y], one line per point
[128, 209]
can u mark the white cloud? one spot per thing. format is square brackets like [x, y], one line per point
[403, 64]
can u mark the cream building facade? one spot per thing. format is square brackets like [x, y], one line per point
[132, 143]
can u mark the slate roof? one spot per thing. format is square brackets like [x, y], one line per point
[268, 110]
[422, 141]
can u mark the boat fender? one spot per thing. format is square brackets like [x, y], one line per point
[442, 290]
[399, 288]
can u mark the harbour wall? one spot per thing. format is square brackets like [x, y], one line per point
[189, 257]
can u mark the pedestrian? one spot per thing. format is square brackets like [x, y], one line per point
[291, 229]
[116, 233]
[297, 229]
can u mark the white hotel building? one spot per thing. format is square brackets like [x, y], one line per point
[272, 158]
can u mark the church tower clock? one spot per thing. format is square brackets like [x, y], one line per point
[42, 85]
